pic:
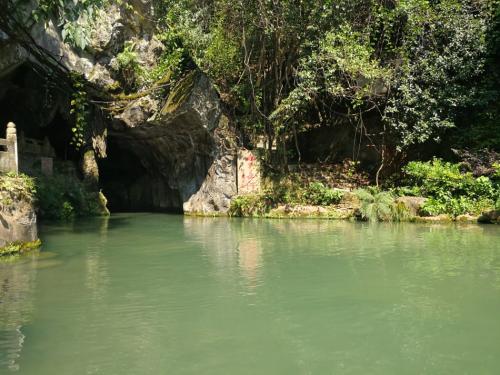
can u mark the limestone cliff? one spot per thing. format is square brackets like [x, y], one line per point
[17, 212]
[169, 149]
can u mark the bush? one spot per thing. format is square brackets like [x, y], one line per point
[318, 194]
[437, 178]
[449, 190]
[129, 66]
[378, 206]
[17, 186]
[64, 197]
[455, 206]
[250, 205]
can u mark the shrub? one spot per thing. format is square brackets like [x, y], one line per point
[250, 205]
[378, 206]
[64, 197]
[449, 190]
[129, 67]
[318, 194]
[455, 206]
[437, 178]
[17, 186]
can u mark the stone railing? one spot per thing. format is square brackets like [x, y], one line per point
[29, 150]
[33, 151]
[9, 160]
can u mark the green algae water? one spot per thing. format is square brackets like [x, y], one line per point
[164, 294]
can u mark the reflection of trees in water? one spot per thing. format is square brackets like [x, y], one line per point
[17, 284]
[438, 251]
[401, 270]
[96, 275]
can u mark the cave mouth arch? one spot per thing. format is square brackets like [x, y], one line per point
[130, 186]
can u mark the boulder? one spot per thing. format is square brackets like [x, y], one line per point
[490, 217]
[412, 204]
[434, 219]
[17, 213]
[467, 218]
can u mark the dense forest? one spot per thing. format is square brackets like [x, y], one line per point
[399, 73]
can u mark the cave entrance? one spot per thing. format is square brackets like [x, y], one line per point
[130, 186]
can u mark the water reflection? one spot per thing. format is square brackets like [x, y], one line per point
[17, 284]
[231, 246]
[250, 260]
[150, 293]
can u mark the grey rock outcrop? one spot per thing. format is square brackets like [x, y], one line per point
[17, 218]
[148, 153]
[185, 153]
[412, 204]
[490, 217]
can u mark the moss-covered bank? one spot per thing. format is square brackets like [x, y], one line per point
[19, 247]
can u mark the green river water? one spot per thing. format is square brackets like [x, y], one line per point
[166, 294]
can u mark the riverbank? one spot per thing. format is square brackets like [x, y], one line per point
[434, 191]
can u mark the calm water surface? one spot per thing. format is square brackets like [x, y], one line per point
[162, 294]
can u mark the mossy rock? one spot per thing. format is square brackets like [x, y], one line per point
[180, 93]
[490, 217]
[433, 219]
[18, 247]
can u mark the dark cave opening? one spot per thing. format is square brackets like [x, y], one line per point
[40, 112]
[130, 186]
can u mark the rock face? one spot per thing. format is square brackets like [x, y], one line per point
[17, 218]
[182, 160]
[412, 204]
[490, 217]
[150, 154]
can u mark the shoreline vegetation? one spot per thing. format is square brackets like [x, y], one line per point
[434, 191]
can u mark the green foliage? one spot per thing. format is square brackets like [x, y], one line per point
[222, 56]
[65, 197]
[170, 65]
[318, 194]
[415, 69]
[378, 205]
[76, 18]
[451, 191]
[455, 206]
[443, 57]
[250, 205]
[496, 175]
[129, 67]
[16, 187]
[443, 179]
[79, 110]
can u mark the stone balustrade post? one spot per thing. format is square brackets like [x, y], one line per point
[11, 138]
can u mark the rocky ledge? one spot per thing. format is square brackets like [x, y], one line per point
[18, 226]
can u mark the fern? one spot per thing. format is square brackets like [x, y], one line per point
[377, 206]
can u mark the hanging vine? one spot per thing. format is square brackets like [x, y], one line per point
[79, 110]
